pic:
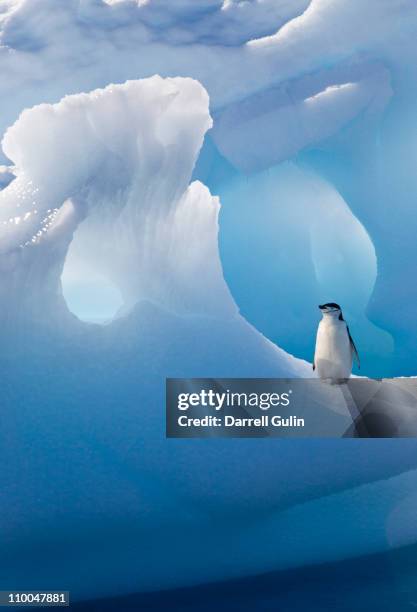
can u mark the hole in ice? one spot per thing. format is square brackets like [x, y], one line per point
[93, 299]
[90, 295]
[90, 292]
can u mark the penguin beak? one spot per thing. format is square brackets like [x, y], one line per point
[322, 307]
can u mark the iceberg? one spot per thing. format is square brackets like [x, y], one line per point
[282, 131]
[108, 174]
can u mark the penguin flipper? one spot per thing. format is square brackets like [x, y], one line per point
[353, 348]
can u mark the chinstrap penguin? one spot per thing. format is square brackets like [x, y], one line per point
[335, 348]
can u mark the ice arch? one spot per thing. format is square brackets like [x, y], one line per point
[127, 198]
[289, 242]
[373, 167]
[109, 174]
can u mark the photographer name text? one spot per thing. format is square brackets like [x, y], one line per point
[230, 421]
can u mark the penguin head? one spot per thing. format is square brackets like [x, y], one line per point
[331, 309]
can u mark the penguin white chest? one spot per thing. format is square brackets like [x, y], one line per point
[333, 355]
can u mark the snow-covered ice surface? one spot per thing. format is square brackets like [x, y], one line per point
[301, 118]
